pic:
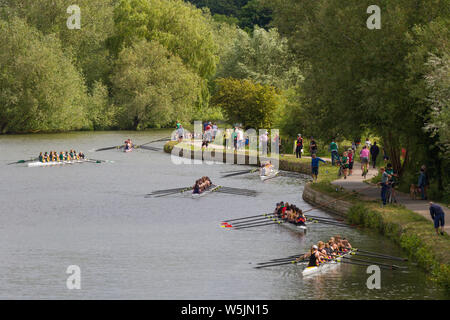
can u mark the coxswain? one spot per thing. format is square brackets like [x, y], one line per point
[315, 258]
[41, 157]
[300, 219]
[81, 155]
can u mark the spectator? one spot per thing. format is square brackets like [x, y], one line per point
[350, 154]
[368, 144]
[315, 166]
[313, 146]
[423, 182]
[384, 184]
[345, 164]
[299, 146]
[364, 156]
[180, 132]
[374, 151]
[263, 143]
[438, 216]
[334, 151]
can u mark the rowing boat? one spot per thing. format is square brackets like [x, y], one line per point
[325, 266]
[290, 226]
[273, 174]
[205, 192]
[55, 163]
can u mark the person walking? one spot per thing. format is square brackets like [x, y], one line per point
[315, 166]
[299, 146]
[351, 155]
[423, 182]
[374, 151]
[345, 164]
[334, 151]
[438, 216]
[384, 184]
[364, 157]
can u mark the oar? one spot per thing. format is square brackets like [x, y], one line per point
[258, 225]
[362, 264]
[297, 257]
[174, 192]
[159, 140]
[393, 266]
[374, 254]
[22, 161]
[323, 218]
[238, 173]
[165, 191]
[255, 219]
[277, 264]
[99, 160]
[250, 194]
[108, 148]
[243, 218]
[242, 224]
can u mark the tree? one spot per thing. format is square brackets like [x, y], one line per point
[40, 88]
[263, 57]
[87, 45]
[152, 86]
[181, 28]
[252, 104]
[100, 112]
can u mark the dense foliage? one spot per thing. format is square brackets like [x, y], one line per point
[245, 13]
[247, 102]
[359, 80]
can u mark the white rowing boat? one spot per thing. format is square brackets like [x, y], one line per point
[55, 163]
[290, 226]
[324, 266]
[271, 175]
[211, 189]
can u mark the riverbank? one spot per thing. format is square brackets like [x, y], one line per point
[409, 229]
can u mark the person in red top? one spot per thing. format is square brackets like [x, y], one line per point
[350, 161]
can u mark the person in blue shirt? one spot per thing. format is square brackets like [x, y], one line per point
[315, 166]
[438, 215]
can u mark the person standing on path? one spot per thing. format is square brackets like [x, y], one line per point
[374, 151]
[384, 184]
[438, 216]
[423, 182]
[299, 147]
[334, 151]
[315, 166]
[313, 146]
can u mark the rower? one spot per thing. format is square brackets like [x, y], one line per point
[315, 259]
[61, 156]
[196, 187]
[45, 157]
[300, 219]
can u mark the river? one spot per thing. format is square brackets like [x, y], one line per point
[96, 216]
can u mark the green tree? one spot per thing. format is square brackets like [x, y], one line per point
[252, 104]
[178, 26]
[152, 86]
[100, 112]
[263, 57]
[40, 88]
[87, 45]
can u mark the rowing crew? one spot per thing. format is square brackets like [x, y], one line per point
[52, 156]
[323, 252]
[266, 168]
[128, 145]
[290, 213]
[202, 184]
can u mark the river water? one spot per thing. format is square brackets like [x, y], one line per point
[127, 246]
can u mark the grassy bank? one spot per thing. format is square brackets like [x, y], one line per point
[411, 231]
